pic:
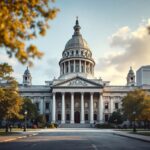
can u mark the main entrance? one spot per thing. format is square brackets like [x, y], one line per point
[77, 117]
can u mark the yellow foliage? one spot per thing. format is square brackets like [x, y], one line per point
[19, 22]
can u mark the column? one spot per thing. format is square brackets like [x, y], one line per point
[85, 66]
[79, 65]
[63, 108]
[64, 67]
[54, 109]
[82, 108]
[41, 105]
[91, 108]
[72, 108]
[74, 67]
[69, 66]
[111, 105]
[101, 108]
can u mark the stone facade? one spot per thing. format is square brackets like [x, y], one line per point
[76, 96]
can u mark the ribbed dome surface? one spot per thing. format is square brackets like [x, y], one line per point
[77, 42]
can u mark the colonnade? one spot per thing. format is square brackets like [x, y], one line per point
[82, 111]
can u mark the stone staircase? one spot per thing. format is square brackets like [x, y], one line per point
[76, 125]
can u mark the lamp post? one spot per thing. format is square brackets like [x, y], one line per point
[134, 126]
[25, 120]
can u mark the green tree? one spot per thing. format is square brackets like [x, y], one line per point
[116, 117]
[31, 109]
[21, 21]
[41, 121]
[10, 100]
[137, 105]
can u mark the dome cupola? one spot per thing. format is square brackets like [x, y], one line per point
[77, 56]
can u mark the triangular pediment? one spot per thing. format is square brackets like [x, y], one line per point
[77, 82]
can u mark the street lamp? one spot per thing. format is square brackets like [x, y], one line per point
[134, 126]
[25, 120]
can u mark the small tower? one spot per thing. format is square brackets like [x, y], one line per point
[27, 79]
[130, 78]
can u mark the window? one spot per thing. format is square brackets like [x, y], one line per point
[59, 105]
[95, 116]
[82, 53]
[77, 66]
[47, 117]
[71, 69]
[59, 116]
[72, 53]
[116, 105]
[25, 78]
[106, 105]
[82, 68]
[68, 117]
[106, 117]
[86, 117]
[67, 105]
[77, 52]
[47, 105]
[37, 105]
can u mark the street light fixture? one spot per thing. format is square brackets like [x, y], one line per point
[25, 120]
[134, 126]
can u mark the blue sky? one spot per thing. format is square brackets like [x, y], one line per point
[102, 22]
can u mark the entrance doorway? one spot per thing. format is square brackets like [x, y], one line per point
[77, 117]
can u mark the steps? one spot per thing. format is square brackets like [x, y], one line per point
[76, 125]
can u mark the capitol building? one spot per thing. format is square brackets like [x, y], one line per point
[76, 96]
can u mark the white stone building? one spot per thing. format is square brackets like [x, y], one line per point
[76, 96]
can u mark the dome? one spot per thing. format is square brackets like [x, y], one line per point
[27, 72]
[77, 41]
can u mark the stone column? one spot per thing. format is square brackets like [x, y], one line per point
[64, 67]
[41, 105]
[69, 66]
[100, 108]
[63, 108]
[74, 67]
[111, 105]
[54, 109]
[72, 108]
[85, 66]
[91, 108]
[82, 108]
[79, 65]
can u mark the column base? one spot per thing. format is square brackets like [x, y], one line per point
[72, 121]
[53, 121]
[82, 121]
[63, 122]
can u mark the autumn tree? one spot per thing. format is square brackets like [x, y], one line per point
[10, 100]
[31, 109]
[137, 104]
[21, 21]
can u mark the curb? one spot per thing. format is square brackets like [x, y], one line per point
[136, 138]
[20, 137]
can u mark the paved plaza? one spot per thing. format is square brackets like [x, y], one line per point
[75, 139]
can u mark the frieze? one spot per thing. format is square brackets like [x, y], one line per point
[78, 83]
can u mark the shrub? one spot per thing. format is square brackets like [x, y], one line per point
[104, 126]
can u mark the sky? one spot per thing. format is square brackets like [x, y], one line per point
[114, 29]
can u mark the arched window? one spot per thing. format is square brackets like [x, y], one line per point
[86, 117]
[95, 116]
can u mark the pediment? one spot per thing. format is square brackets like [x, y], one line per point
[78, 82]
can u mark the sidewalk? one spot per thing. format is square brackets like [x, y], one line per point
[15, 136]
[133, 136]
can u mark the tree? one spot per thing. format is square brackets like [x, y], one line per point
[10, 100]
[23, 20]
[137, 105]
[31, 109]
[116, 117]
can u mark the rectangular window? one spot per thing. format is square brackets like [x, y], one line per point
[86, 117]
[37, 106]
[116, 105]
[47, 105]
[106, 105]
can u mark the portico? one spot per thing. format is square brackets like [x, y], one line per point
[77, 107]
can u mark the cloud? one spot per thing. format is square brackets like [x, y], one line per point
[132, 48]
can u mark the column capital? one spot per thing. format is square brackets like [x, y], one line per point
[91, 93]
